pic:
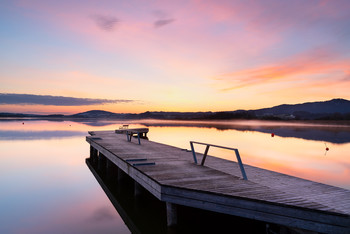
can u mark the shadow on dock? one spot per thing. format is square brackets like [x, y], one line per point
[144, 213]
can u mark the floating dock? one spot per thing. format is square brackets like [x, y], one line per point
[172, 176]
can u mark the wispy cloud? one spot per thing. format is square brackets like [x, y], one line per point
[163, 19]
[105, 22]
[31, 99]
[160, 23]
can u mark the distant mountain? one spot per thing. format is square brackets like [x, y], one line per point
[332, 106]
[100, 114]
[95, 114]
[309, 110]
[335, 109]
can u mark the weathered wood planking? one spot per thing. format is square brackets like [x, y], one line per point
[266, 195]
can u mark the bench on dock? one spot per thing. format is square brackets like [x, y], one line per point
[143, 131]
[130, 132]
[124, 126]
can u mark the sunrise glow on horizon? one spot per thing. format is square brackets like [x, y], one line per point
[137, 56]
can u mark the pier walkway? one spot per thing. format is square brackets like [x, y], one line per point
[171, 175]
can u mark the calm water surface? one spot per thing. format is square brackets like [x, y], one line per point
[46, 187]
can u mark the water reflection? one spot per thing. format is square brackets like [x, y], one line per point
[96, 123]
[87, 122]
[292, 156]
[37, 135]
[46, 187]
[333, 133]
[296, 149]
[329, 133]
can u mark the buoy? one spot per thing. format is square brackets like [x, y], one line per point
[272, 134]
[326, 146]
[22, 123]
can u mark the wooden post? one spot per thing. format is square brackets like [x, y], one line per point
[109, 169]
[91, 151]
[101, 161]
[108, 165]
[137, 189]
[93, 155]
[121, 175]
[171, 214]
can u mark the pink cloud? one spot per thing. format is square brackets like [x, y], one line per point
[190, 39]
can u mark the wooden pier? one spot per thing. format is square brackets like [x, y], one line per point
[170, 174]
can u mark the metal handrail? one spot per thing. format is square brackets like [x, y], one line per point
[217, 146]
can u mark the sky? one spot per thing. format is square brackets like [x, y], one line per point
[131, 56]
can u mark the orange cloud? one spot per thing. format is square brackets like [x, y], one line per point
[306, 66]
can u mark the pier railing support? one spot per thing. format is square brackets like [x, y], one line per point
[217, 146]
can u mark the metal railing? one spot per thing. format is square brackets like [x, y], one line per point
[217, 146]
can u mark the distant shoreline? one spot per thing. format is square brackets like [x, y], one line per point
[264, 121]
[332, 111]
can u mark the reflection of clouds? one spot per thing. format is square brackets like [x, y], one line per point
[333, 135]
[325, 133]
[37, 135]
[101, 214]
[94, 123]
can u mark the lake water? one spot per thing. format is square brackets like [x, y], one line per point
[46, 186]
